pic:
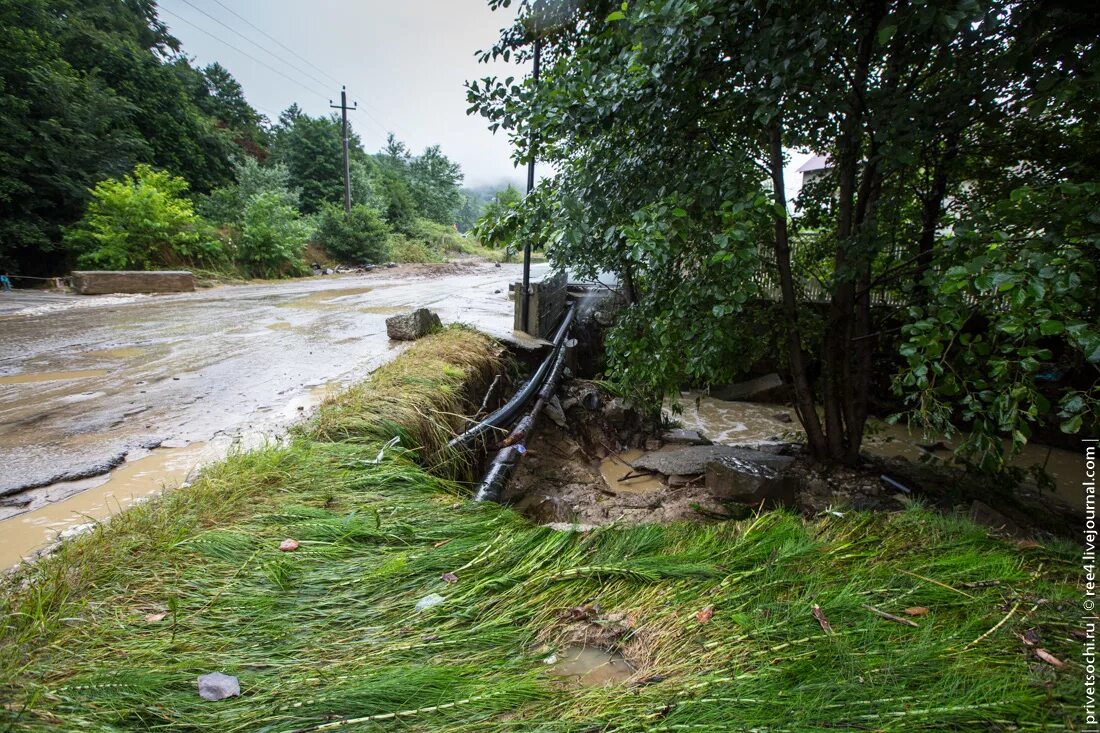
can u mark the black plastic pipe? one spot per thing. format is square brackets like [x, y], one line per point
[509, 456]
[503, 417]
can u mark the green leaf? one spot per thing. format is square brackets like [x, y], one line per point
[1073, 424]
[885, 33]
[1049, 328]
[614, 16]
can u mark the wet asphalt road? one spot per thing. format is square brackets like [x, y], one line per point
[86, 380]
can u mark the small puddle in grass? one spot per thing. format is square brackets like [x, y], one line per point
[615, 467]
[591, 667]
[53, 376]
[99, 497]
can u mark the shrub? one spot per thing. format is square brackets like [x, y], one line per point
[273, 237]
[141, 221]
[227, 205]
[359, 236]
[404, 249]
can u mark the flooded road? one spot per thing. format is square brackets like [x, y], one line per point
[145, 387]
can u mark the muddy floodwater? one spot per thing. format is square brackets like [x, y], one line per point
[734, 423]
[590, 666]
[103, 399]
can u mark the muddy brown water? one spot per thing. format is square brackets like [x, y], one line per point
[591, 667]
[736, 423]
[620, 477]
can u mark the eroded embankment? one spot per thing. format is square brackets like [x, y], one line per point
[772, 623]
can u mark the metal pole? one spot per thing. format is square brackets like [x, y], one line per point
[526, 303]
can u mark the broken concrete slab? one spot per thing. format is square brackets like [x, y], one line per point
[413, 325]
[767, 388]
[102, 282]
[693, 459]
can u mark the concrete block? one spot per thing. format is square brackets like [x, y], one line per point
[102, 282]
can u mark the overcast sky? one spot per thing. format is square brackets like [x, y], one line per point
[405, 62]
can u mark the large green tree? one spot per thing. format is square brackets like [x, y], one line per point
[88, 89]
[667, 123]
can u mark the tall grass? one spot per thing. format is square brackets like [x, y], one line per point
[327, 637]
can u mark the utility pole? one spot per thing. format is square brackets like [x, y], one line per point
[344, 108]
[524, 311]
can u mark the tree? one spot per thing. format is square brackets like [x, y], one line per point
[497, 225]
[312, 150]
[227, 205]
[141, 222]
[273, 237]
[668, 123]
[435, 183]
[359, 236]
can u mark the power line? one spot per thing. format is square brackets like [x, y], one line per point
[246, 54]
[252, 25]
[233, 30]
[366, 110]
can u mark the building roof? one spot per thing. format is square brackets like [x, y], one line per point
[816, 163]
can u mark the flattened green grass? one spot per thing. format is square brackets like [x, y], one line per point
[111, 633]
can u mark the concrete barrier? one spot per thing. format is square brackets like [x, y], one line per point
[101, 282]
[548, 301]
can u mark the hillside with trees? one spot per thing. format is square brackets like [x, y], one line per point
[118, 152]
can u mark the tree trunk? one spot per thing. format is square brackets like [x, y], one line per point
[804, 398]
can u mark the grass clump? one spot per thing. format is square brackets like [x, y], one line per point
[111, 632]
[418, 397]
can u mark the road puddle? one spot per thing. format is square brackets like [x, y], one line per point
[334, 298]
[98, 499]
[124, 353]
[621, 478]
[35, 377]
[591, 667]
[385, 310]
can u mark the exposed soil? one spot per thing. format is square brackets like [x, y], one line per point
[578, 471]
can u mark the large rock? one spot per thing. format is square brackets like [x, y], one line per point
[753, 478]
[767, 388]
[738, 474]
[102, 282]
[411, 326]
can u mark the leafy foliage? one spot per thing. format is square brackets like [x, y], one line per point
[660, 117]
[273, 236]
[358, 236]
[141, 222]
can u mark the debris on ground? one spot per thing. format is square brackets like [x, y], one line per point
[218, 686]
[429, 601]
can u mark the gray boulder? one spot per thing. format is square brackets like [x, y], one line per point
[752, 478]
[411, 326]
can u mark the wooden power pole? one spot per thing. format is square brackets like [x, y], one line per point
[344, 108]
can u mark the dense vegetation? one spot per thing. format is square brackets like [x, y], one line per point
[955, 231]
[117, 152]
[766, 624]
